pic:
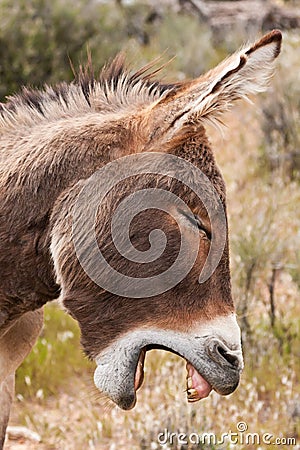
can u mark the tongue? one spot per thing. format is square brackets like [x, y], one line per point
[197, 386]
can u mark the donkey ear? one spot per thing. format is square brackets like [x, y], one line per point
[205, 98]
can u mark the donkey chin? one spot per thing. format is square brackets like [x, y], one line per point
[212, 353]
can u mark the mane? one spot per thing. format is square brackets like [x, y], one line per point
[115, 88]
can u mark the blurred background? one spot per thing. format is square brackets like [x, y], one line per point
[259, 155]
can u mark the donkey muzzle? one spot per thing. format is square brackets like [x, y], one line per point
[213, 359]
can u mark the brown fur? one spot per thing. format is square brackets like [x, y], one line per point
[69, 150]
[54, 138]
[189, 301]
[52, 141]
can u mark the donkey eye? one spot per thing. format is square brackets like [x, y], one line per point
[201, 227]
[197, 222]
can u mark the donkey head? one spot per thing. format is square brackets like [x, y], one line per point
[140, 247]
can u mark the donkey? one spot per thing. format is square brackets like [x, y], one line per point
[53, 142]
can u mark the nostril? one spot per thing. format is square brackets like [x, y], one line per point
[224, 356]
[232, 359]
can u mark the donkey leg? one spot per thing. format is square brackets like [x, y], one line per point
[15, 345]
[7, 388]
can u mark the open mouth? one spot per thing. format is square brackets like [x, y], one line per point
[213, 362]
[197, 387]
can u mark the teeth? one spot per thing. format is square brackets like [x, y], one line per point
[192, 395]
[191, 392]
[189, 382]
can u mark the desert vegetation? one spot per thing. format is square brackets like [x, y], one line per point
[259, 154]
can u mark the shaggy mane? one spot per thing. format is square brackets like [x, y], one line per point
[114, 88]
[116, 76]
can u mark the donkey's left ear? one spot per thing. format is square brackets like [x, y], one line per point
[205, 98]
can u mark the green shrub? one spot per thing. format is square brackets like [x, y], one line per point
[55, 359]
[37, 38]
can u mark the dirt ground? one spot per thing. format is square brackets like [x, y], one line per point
[67, 422]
